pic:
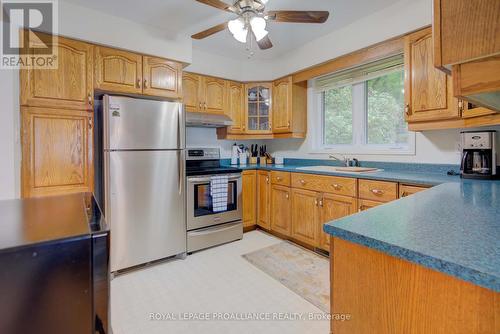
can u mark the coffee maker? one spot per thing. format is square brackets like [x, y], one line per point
[479, 157]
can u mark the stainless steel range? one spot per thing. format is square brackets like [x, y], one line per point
[208, 227]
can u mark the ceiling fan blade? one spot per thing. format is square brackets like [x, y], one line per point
[217, 4]
[297, 16]
[265, 43]
[210, 31]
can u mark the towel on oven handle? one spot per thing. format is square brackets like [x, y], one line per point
[218, 191]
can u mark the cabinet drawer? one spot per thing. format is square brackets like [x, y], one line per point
[282, 178]
[406, 190]
[380, 191]
[322, 183]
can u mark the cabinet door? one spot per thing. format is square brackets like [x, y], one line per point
[263, 203]
[191, 85]
[258, 108]
[365, 204]
[118, 71]
[305, 216]
[214, 92]
[333, 207]
[236, 107]
[56, 151]
[428, 91]
[68, 86]
[282, 105]
[281, 205]
[249, 198]
[162, 77]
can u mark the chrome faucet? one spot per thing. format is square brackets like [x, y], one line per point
[346, 161]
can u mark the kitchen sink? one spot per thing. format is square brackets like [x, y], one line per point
[338, 169]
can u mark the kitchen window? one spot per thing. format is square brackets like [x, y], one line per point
[362, 110]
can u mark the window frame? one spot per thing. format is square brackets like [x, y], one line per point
[360, 128]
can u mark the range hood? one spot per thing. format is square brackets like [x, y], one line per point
[204, 120]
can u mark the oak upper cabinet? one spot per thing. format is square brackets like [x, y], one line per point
[70, 85]
[333, 207]
[263, 199]
[249, 185]
[118, 70]
[236, 107]
[289, 112]
[428, 91]
[162, 77]
[258, 108]
[204, 94]
[281, 206]
[57, 155]
[191, 87]
[214, 95]
[305, 216]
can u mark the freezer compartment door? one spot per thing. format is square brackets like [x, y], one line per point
[146, 206]
[135, 124]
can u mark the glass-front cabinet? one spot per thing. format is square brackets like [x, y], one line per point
[258, 111]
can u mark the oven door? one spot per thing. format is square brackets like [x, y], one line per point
[200, 212]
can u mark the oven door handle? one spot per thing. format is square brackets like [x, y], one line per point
[231, 177]
[213, 229]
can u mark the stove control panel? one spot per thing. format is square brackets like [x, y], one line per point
[203, 154]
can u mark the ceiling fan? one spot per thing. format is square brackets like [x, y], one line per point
[252, 19]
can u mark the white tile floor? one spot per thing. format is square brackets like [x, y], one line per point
[214, 280]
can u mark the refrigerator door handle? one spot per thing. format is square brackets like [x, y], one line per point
[181, 127]
[181, 171]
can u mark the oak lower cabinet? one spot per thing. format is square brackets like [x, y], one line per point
[281, 207]
[408, 190]
[57, 155]
[70, 85]
[263, 199]
[162, 77]
[305, 216]
[428, 91]
[118, 70]
[365, 204]
[333, 207]
[249, 197]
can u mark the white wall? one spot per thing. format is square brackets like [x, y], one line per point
[9, 135]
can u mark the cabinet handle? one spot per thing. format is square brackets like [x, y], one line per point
[267, 179]
[138, 83]
[287, 196]
[336, 186]
[200, 105]
[407, 109]
[302, 182]
[377, 191]
[89, 99]
[404, 194]
[321, 202]
[90, 123]
[145, 83]
[316, 202]
[362, 207]
[205, 105]
[288, 124]
[461, 105]
[278, 178]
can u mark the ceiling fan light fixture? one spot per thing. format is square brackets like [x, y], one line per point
[258, 25]
[238, 29]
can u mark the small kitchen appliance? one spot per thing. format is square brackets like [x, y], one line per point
[206, 226]
[479, 157]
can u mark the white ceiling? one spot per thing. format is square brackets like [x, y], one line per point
[182, 18]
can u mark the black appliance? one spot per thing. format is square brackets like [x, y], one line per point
[479, 157]
[54, 260]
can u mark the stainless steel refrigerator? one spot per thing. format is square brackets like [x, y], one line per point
[144, 179]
